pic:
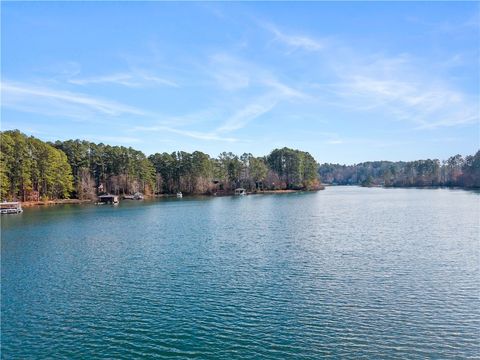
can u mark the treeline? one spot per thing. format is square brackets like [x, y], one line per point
[99, 168]
[457, 171]
[199, 173]
[33, 170]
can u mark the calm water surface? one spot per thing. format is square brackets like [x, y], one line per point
[344, 273]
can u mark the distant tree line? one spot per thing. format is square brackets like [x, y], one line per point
[31, 169]
[457, 171]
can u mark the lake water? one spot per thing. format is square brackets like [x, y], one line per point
[343, 273]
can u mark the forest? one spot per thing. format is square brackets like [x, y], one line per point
[30, 169]
[33, 170]
[457, 171]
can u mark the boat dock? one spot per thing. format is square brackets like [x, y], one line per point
[12, 207]
[108, 199]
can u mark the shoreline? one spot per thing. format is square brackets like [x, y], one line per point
[265, 192]
[27, 204]
[78, 201]
[54, 202]
[405, 187]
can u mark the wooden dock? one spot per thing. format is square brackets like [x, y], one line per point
[12, 207]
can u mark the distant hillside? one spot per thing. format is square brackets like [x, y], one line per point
[457, 171]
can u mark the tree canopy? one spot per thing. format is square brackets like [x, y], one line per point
[32, 170]
[456, 171]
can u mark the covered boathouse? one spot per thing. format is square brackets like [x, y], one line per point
[108, 199]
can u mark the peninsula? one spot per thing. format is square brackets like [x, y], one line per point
[41, 172]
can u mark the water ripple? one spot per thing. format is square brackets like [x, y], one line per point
[345, 273]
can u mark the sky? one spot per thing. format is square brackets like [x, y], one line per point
[346, 81]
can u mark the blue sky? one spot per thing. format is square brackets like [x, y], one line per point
[348, 82]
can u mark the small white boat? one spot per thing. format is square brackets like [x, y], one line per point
[138, 196]
[240, 192]
[179, 195]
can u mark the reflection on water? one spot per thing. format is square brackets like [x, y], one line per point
[346, 272]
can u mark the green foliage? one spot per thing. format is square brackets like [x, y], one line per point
[471, 171]
[182, 171]
[198, 173]
[7, 162]
[113, 169]
[368, 181]
[32, 169]
[298, 169]
[230, 166]
[258, 169]
[456, 171]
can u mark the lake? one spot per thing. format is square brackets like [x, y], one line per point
[348, 272]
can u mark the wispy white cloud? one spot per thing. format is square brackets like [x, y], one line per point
[32, 98]
[233, 73]
[230, 73]
[258, 107]
[366, 142]
[295, 41]
[283, 90]
[328, 137]
[63, 69]
[265, 90]
[399, 87]
[237, 120]
[129, 79]
[241, 118]
[395, 86]
[335, 142]
[191, 134]
[468, 24]
[114, 139]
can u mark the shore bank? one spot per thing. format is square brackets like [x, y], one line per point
[54, 202]
[284, 191]
[78, 201]
[266, 192]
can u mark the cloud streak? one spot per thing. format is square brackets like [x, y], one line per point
[249, 113]
[295, 42]
[392, 85]
[191, 134]
[114, 139]
[392, 88]
[395, 86]
[31, 98]
[129, 79]
[236, 75]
